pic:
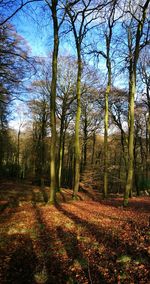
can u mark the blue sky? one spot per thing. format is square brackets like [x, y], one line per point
[35, 25]
[37, 29]
[40, 35]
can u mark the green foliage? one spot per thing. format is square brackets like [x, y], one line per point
[80, 262]
[124, 259]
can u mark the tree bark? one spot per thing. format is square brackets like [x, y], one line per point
[18, 154]
[53, 104]
[108, 64]
[77, 129]
[61, 143]
[134, 55]
[85, 141]
[93, 148]
[129, 183]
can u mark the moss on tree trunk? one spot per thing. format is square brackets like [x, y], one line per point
[53, 104]
[77, 129]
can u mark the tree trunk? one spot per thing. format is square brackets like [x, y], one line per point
[61, 143]
[129, 183]
[53, 105]
[77, 129]
[147, 144]
[108, 63]
[42, 160]
[18, 154]
[93, 148]
[123, 142]
[106, 146]
[85, 142]
[134, 55]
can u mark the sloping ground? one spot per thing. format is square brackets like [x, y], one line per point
[77, 242]
[91, 177]
[16, 193]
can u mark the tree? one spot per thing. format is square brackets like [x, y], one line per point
[65, 99]
[135, 29]
[90, 111]
[39, 108]
[140, 154]
[10, 8]
[53, 6]
[110, 18]
[108, 37]
[119, 112]
[144, 62]
[21, 124]
[15, 66]
[80, 17]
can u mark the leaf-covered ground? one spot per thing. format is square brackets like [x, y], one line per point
[84, 242]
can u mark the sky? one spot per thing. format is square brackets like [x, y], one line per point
[36, 27]
[39, 37]
[36, 36]
[38, 32]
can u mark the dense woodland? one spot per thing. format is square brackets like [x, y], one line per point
[84, 114]
[74, 141]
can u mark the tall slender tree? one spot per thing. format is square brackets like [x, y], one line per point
[145, 80]
[135, 30]
[65, 98]
[110, 19]
[80, 17]
[53, 5]
[14, 68]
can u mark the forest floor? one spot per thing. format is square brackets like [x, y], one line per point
[85, 241]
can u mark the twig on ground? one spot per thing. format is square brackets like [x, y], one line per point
[89, 273]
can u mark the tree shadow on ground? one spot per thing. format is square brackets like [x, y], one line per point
[101, 215]
[22, 263]
[55, 271]
[63, 196]
[78, 262]
[16, 192]
[72, 270]
[110, 239]
[135, 204]
[42, 196]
